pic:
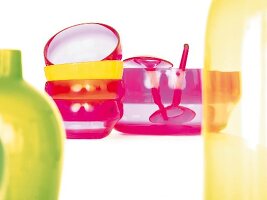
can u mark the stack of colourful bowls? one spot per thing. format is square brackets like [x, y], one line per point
[84, 78]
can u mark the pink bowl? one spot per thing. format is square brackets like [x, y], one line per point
[82, 43]
[89, 119]
[89, 108]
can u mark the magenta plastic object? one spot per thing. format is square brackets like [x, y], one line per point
[85, 89]
[153, 104]
[89, 119]
[82, 43]
[89, 108]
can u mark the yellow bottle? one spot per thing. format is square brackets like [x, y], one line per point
[1, 171]
[235, 101]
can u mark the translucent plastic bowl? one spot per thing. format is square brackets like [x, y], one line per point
[82, 43]
[89, 108]
[89, 119]
[142, 114]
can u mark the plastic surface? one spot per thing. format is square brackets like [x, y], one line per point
[32, 135]
[85, 89]
[89, 119]
[87, 70]
[152, 99]
[82, 43]
[235, 100]
[90, 108]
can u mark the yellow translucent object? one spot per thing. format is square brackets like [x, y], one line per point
[108, 69]
[2, 172]
[234, 98]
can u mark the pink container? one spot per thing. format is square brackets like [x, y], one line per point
[157, 101]
[85, 119]
[88, 112]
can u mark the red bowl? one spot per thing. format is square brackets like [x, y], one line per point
[89, 119]
[85, 89]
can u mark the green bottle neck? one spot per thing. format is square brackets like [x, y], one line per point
[10, 64]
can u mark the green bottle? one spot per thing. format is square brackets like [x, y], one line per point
[31, 133]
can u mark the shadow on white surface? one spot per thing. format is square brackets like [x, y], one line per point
[125, 167]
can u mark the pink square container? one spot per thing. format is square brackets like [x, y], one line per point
[153, 105]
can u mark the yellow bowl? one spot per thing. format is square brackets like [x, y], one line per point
[107, 69]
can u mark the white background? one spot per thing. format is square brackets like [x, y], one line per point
[119, 167]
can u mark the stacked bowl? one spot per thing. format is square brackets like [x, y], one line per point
[84, 78]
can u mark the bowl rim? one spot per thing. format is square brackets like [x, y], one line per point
[116, 54]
